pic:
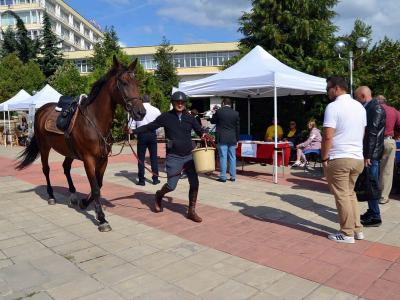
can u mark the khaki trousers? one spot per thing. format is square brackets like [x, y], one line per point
[342, 174]
[387, 166]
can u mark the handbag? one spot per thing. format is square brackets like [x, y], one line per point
[367, 187]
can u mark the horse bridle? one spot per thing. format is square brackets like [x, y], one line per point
[124, 97]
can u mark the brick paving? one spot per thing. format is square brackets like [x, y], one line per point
[257, 241]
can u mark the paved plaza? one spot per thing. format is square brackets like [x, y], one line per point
[258, 240]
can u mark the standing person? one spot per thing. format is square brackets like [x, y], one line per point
[228, 130]
[195, 113]
[373, 149]
[342, 156]
[178, 125]
[147, 140]
[389, 149]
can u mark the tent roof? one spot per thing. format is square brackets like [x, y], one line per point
[44, 96]
[255, 76]
[20, 96]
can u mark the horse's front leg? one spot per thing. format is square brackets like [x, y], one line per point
[73, 199]
[90, 168]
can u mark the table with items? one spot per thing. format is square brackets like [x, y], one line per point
[262, 152]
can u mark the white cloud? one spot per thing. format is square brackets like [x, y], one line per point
[122, 44]
[210, 13]
[382, 15]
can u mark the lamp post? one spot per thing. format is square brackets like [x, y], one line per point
[340, 48]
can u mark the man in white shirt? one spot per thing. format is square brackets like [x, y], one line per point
[147, 140]
[342, 156]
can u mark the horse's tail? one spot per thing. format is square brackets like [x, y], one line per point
[29, 155]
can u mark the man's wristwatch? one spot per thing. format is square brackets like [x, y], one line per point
[325, 160]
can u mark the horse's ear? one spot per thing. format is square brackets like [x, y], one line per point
[116, 63]
[132, 66]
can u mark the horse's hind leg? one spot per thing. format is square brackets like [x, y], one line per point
[90, 167]
[73, 200]
[44, 155]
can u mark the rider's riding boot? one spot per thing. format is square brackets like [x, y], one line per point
[158, 199]
[192, 205]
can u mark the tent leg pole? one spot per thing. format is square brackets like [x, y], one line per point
[275, 172]
[248, 115]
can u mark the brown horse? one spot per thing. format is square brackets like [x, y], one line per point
[90, 137]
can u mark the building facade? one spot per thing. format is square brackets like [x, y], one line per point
[193, 61]
[75, 32]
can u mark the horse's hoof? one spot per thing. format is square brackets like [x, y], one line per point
[82, 204]
[104, 227]
[51, 201]
[72, 200]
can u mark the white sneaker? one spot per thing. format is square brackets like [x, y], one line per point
[359, 235]
[341, 238]
[302, 165]
[296, 163]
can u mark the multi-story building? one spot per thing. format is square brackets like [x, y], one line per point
[75, 32]
[193, 61]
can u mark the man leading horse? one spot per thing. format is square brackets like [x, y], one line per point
[178, 125]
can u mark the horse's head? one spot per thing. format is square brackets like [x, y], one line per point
[128, 90]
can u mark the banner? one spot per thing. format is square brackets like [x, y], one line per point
[249, 150]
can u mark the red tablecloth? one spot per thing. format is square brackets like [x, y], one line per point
[265, 153]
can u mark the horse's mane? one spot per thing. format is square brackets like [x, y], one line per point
[98, 85]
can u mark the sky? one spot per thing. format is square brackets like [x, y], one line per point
[145, 22]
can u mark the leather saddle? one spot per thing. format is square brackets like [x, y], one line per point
[63, 117]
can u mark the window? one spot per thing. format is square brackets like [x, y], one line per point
[6, 2]
[64, 16]
[179, 60]
[148, 62]
[50, 7]
[83, 66]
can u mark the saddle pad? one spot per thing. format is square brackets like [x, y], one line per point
[50, 124]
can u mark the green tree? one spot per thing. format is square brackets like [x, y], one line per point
[166, 75]
[51, 57]
[14, 76]
[382, 71]
[68, 81]
[26, 48]
[9, 43]
[105, 49]
[297, 32]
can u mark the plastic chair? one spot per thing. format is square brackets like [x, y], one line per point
[313, 155]
[245, 137]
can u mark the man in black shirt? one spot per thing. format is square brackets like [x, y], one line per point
[178, 125]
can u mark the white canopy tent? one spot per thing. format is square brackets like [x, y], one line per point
[44, 96]
[257, 75]
[20, 96]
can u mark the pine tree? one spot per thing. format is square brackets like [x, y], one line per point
[105, 49]
[166, 75]
[51, 57]
[26, 48]
[9, 43]
[297, 32]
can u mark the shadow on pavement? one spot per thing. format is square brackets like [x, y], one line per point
[324, 211]
[273, 215]
[41, 191]
[148, 200]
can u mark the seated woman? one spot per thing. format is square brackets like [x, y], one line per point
[292, 137]
[23, 128]
[312, 143]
